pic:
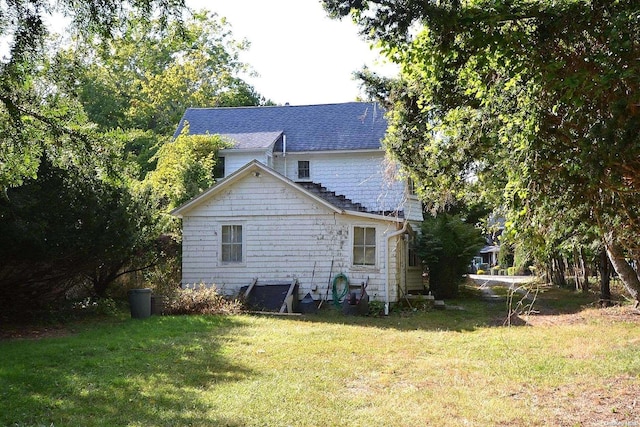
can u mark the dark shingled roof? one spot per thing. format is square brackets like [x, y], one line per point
[330, 196]
[326, 127]
[252, 141]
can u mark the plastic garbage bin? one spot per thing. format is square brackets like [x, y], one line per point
[140, 302]
[157, 305]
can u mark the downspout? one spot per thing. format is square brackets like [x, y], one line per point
[386, 265]
[284, 153]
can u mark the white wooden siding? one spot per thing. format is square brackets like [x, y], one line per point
[413, 209]
[368, 178]
[364, 177]
[286, 235]
[234, 160]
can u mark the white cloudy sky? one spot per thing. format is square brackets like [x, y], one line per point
[302, 56]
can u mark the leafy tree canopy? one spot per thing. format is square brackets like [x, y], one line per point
[143, 77]
[36, 117]
[148, 73]
[67, 213]
[185, 167]
[532, 105]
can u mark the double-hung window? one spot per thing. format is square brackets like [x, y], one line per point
[231, 244]
[364, 246]
[304, 170]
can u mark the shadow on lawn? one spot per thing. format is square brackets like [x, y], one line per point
[472, 310]
[150, 372]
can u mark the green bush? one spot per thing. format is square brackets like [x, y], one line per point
[446, 245]
[102, 306]
[481, 272]
[376, 308]
[200, 299]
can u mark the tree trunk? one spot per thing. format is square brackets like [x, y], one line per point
[585, 270]
[558, 272]
[627, 274]
[604, 269]
[576, 267]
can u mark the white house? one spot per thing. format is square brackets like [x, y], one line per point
[306, 193]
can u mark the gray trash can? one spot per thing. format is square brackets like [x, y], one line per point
[157, 305]
[140, 302]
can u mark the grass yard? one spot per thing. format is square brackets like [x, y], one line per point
[567, 366]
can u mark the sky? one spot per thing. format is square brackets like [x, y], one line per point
[301, 55]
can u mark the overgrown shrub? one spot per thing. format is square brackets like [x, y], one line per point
[505, 256]
[164, 278]
[103, 306]
[200, 300]
[376, 308]
[67, 228]
[446, 245]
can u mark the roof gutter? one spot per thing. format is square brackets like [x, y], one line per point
[337, 151]
[376, 216]
[386, 265]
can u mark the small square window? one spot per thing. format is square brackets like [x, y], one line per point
[304, 171]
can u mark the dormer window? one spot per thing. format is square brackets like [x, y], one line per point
[218, 169]
[304, 171]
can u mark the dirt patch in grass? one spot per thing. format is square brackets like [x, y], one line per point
[531, 304]
[607, 315]
[608, 403]
[33, 331]
[605, 402]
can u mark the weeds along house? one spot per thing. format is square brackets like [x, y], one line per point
[306, 193]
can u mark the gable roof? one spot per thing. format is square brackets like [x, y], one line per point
[325, 127]
[338, 204]
[343, 202]
[253, 166]
[252, 141]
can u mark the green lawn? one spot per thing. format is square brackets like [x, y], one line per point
[444, 368]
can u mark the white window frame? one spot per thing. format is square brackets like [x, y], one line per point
[411, 189]
[242, 243]
[376, 246]
[308, 177]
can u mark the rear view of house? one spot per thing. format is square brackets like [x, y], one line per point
[304, 193]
